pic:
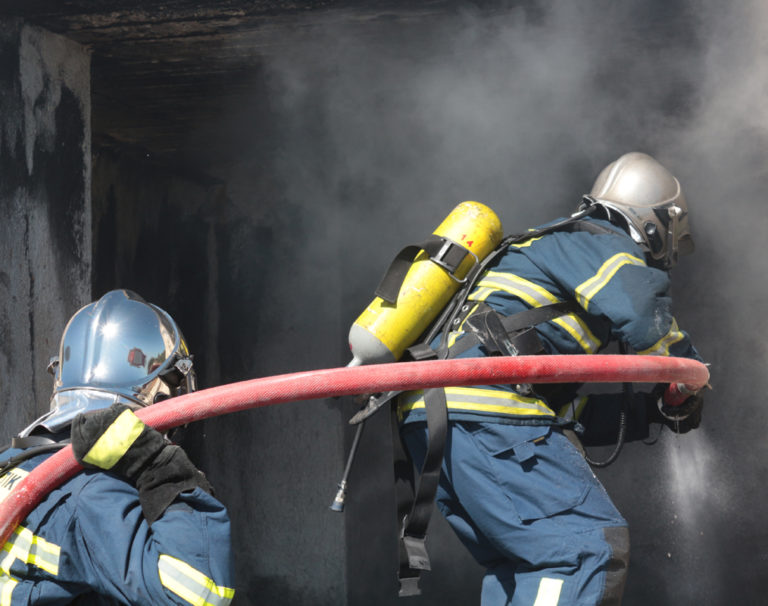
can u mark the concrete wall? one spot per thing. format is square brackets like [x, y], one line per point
[45, 229]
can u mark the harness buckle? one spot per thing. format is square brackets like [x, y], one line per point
[450, 256]
[409, 586]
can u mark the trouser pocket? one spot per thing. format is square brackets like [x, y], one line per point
[538, 469]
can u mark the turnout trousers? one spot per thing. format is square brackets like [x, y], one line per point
[530, 510]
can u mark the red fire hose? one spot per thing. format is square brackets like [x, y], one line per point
[317, 384]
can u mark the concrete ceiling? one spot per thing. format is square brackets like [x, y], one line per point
[161, 69]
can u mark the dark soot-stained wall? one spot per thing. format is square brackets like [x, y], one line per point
[180, 242]
[45, 235]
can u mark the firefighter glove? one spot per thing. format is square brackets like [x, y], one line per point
[114, 439]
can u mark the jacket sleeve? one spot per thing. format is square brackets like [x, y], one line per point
[608, 276]
[183, 558]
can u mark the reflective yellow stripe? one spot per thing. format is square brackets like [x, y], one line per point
[527, 242]
[479, 400]
[572, 411]
[30, 549]
[114, 442]
[589, 288]
[533, 294]
[190, 584]
[7, 585]
[549, 592]
[536, 296]
[661, 347]
[45, 555]
[481, 293]
[579, 331]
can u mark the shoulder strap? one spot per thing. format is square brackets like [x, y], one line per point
[416, 496]
[567, 224]
[30, 441]
[8, 464]
[593, 228]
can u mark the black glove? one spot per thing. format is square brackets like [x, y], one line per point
[680, 418]
[114, 439]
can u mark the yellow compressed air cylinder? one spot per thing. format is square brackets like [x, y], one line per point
[385, 330]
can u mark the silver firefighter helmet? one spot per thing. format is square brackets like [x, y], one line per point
[649, 201]
[117, 349]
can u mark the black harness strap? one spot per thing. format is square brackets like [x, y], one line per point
[415, 506]
[404, 491]
[516, 326]
[446, 253]
[30, 441]
[33, 451]
[415, 502]
[437, 422]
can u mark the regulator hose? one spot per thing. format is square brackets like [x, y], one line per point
[626, 400]
[325, 383]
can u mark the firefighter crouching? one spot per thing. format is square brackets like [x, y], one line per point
[139, 526]
[513, 483]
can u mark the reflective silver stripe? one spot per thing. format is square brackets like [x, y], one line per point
[480, 400]
[190, 584]
[536, 296]
[589, 288]
[30, 549]
[549, 592]
[661, 347]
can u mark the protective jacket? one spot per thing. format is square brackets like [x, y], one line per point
[89, 543]
[619, 297]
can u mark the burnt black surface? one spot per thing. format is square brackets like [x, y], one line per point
[161, 70]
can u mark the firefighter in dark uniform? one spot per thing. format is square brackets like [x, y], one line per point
[139, 525]
[514, 487]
